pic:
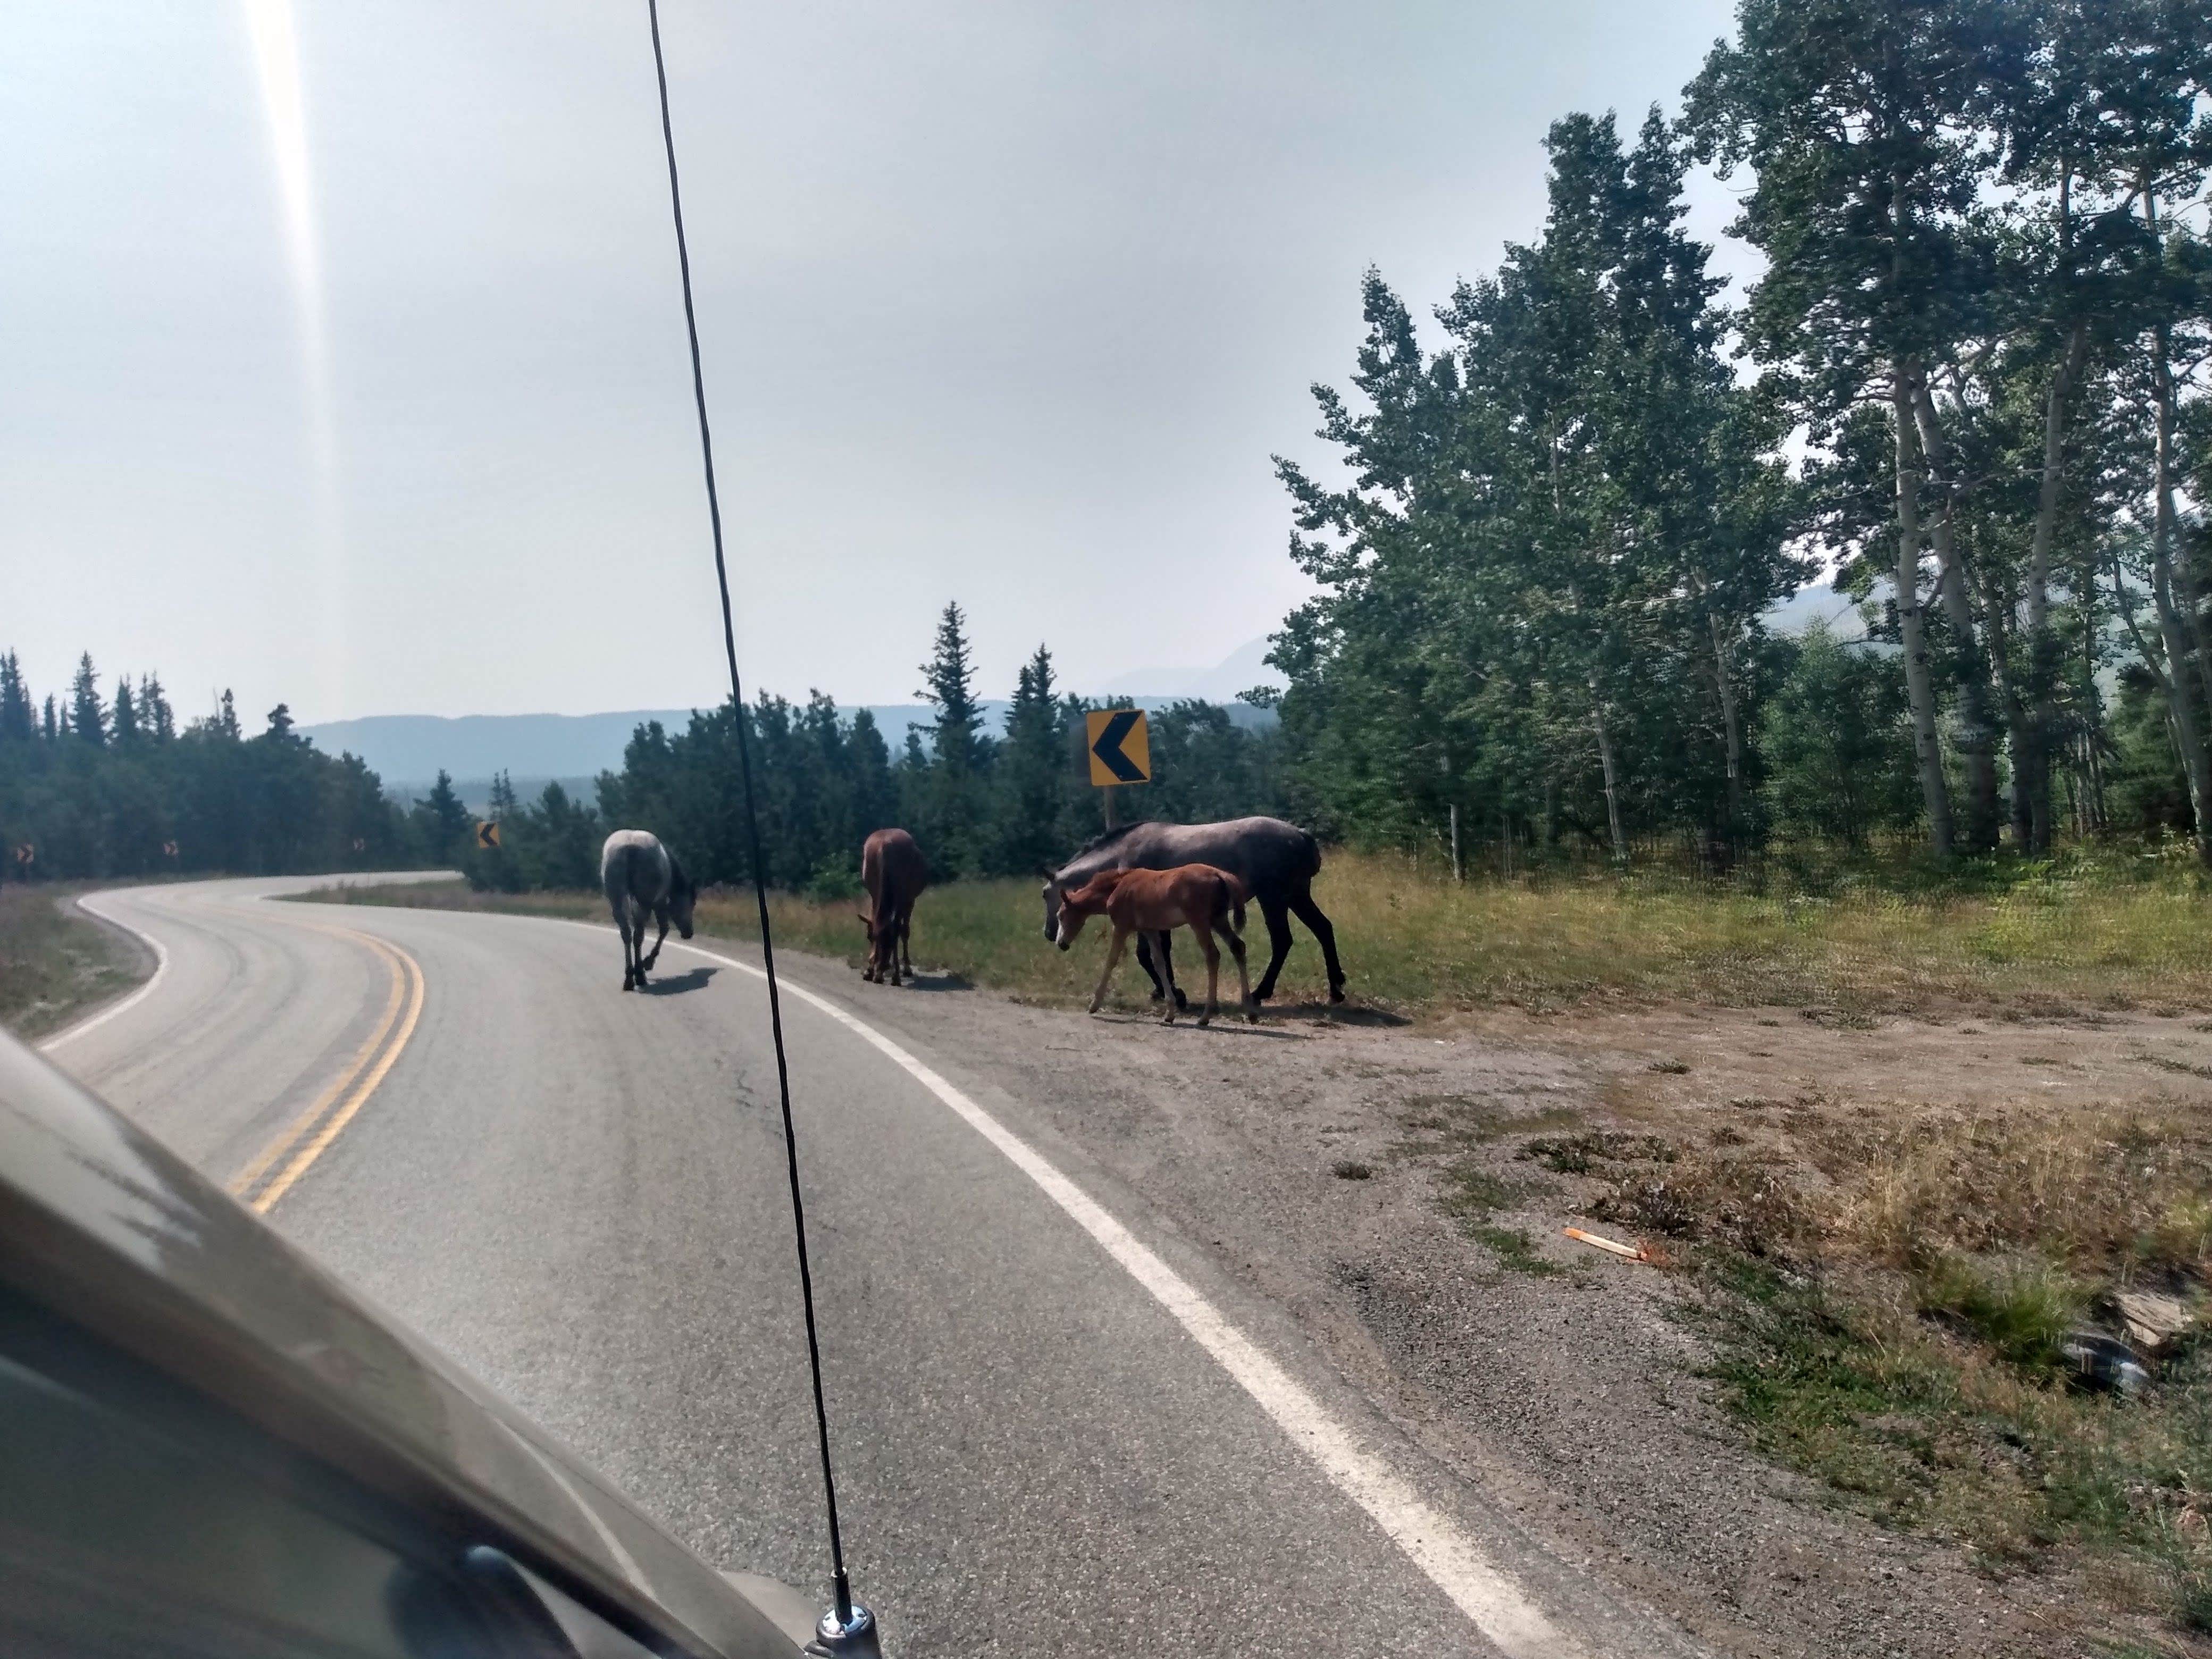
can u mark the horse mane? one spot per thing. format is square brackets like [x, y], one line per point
[1109, 837]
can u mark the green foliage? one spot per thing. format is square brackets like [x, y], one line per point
[1833, 735]
[1540, 594]
[102, 794]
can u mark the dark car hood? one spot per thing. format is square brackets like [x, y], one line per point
[109, 1229]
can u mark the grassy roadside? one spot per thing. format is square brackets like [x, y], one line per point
[55, 963]
[1886, 1293]
[2111, 934]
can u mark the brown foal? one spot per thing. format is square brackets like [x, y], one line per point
[1198, 896]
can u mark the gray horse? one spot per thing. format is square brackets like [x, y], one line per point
[1275, 860]
[642, 878]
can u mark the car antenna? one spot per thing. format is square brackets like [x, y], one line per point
[847, 1626]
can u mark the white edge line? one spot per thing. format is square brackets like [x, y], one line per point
[1492, 1601]
[47, 1045]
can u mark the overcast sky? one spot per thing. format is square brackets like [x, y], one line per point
[1002, 302]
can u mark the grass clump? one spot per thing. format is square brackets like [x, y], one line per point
[1350, 1169]
[1891, 1324]
[1515, 1250]
[55, 962]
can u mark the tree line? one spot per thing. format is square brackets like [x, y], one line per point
[1971, 382]
[980, 803]
[93, 786]
[111, 787]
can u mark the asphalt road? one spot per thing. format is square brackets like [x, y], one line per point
[581, 1195]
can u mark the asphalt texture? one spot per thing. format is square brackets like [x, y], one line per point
[581, 1195]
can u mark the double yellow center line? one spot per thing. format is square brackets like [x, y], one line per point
[308, 1136]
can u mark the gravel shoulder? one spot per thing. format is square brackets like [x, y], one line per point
[1565, 1383]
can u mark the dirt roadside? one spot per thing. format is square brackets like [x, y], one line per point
[1566, 1383]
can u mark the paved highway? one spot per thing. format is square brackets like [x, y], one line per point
[1058, 1431]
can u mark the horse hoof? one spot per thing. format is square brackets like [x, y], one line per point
[1205, 1020]
[1336, 993]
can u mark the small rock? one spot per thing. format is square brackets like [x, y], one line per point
[2154, 1323]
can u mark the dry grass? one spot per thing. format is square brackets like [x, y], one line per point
[1890, 1289]
[2104, 936]
[55, 964]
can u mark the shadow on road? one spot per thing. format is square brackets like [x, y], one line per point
[1340, 1013]
[937, 982]
[675, 985]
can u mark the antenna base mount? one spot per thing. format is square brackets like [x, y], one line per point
[846, 1638]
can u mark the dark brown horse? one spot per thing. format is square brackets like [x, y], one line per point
[1275, 861]
[894, 871]
[1152, 902]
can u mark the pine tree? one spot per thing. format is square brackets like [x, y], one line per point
[226, 720]
[88, 715]
[125, 720]
[1031, 770]
[18, 719]
[155, 714]
[54, 725]
[948, 684]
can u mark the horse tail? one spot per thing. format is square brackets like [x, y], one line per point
[1229, 898]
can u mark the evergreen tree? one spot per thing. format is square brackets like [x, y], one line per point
[1030, 773]
[18, 719]
[155, 714]
[125, 720]
[88, 715]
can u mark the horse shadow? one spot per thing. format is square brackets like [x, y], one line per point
[1339, 1013]
[675, 985]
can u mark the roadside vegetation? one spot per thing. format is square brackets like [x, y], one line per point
[2078, 934]
[1894, 1298]
[56, 962]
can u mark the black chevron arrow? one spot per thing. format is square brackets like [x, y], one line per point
[1109, 747]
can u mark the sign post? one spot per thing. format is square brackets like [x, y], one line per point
[1121, 752]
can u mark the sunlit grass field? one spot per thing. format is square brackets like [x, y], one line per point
[2107, 932]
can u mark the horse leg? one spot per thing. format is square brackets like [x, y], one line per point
[1106, 974]
[660, 915]
[1175, 1001]
[1309, 913]
[906, 941]
[1150, 964]
[895, 974]
[1213, 955]
[1243, 979]
[1278, 918]
[1167, 968]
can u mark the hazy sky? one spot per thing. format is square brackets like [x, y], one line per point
[1002, 302]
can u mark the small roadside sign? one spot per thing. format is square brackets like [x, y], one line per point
[1120, 746]
[360, 845]
[487, 834]
[25, 853]
[168, 849]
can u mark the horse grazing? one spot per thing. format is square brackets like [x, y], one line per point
[642, 877]
[1151, 901]
[894, 871]
[1275, 861]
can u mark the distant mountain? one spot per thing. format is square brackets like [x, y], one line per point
[409, 751]
[1244, 668]
[1817, 602]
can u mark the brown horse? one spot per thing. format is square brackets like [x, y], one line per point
[894, 871]
[1152, 902]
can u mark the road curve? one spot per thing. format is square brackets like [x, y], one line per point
[1043, 1444]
